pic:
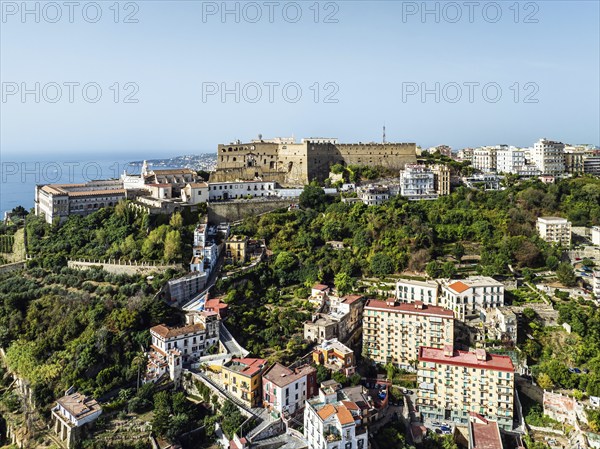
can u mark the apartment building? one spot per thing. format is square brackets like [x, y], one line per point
[335, 356]
[285, 390]
[410, 291]
[510, 160]
[184, 288]
[204, 251]
[549, 156]
[339, 316]
[374, 195]
[574, 158]
[243, 379]
[484, 159]
[417, 182]
[554, 230]
[453, 384]
[441, 177]
[171, 347]
[393, 332]
[591, 165]
[235, 249]
[468, 297]
[332, 420]
[466, 154]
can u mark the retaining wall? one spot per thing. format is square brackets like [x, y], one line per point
[130, 268]
[231, 211]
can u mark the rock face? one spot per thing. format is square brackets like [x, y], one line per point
[296, 164]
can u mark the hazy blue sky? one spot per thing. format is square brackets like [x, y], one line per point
[371, 53]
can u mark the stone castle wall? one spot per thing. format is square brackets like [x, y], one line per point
[299, 163]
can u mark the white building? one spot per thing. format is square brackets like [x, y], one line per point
[596, 284]
[483, 181]
[410, 291]
[549, 157]
[484, 159]
[58, 201]
[204, 251]
[470, 296]
[591, 165]
[286, 390]
[501, 324]
[596, 235]
[330, 423]
[195, 193]
[184, 288]
[172, 347]
[71, 412]
[554, 230]
[240, 189]
[374, 195]
[466, 154]
[510, 160]
[529, 170]
[417, 182]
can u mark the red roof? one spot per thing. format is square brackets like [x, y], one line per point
[467, 359]
[215, 305]
[249, 366]
[459, 287]
[485, 434]
[405, 307]
[320, 287]
[349, 299]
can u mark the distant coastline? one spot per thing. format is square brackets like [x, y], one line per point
[19, 177]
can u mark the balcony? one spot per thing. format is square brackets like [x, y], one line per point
[331, 436]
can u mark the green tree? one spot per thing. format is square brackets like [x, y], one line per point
[162, 412]
[566, 274]
[382, 264]
[545, 382]
[176, 221]
[232, 418]
[552, 262]
[458, 251]
[313, 197]
[172, 246]
[344, 283]
[433, 269]
[448, 269]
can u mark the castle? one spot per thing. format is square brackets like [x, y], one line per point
[289, 163]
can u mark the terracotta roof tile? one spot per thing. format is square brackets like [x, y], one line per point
[459, 287]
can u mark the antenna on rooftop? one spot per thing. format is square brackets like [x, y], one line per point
[384, 133]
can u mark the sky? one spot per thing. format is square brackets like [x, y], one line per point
[157, 78]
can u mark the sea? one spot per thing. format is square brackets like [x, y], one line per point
[19, 178]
